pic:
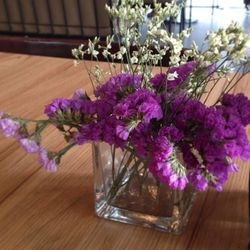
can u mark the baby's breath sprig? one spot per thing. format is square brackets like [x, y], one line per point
[139, 52]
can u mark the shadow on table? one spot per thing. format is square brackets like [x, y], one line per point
[223, 222]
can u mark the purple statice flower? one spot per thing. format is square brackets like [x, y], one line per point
[29, 145]
[80, 94]
[189, 158]
[242, 143]
[183, 71]
[190, 116]
[110, 132]
[92, 131]
[177, 182]
[161, 149]
[142, 103]
[163, 167]
[104, 107]
[150, 109]
[48, 164]
[194, 169]
[9, 127]
[172, 133]
[122, 132]
[198, 180]
[62, 108]
[160, 81]
[118, 86]
[245, 153]
[234, 134]
[231, 148]
[195, 110]
[238, 106]
[210, 151]
[84, 106]
[161, 170]
[56, 105]
[165, 173]
[123, 109]
[212, 118]
[215, 134]
[141, 138]
[220, 171]
[102, 130]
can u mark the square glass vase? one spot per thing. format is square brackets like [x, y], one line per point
[127, 192]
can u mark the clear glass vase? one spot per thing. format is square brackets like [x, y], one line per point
[126, 191]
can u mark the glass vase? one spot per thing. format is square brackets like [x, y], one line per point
[126, 191]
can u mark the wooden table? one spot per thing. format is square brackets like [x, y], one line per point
[40, 210]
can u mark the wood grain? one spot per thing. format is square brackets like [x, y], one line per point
[40, 210]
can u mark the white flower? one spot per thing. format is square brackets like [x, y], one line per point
[119, 55]
[172, 76]
[134, 60]
[122, 50]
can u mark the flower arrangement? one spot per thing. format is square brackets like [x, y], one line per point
[158, 117]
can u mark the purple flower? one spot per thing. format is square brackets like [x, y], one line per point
[122, 132]
[191, 161]
[92, 131]
[141, 138]
[9, 127]
[84, 106]
[110, 134]
[173, 181]
[29, 145]
[79, 94]
[164, 168]
[150, 109]
[182, 182]
[103, 108]
[183, 71]
[210, 136]
[142, 103]
[48, 164]
[245, 153]
[198, 180]
[177, 182]
[237, 105]
[161, 149]
[160, 82]
[166, 174]
[159, 166]
[160, 169]
[56, 105]
[70, 109]
[172, 133]
[118, 86]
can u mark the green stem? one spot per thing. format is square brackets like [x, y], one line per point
[210, 91]
[135, 171]
[123, 158]
[113, 161]
[65, 150]
[118, 180]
